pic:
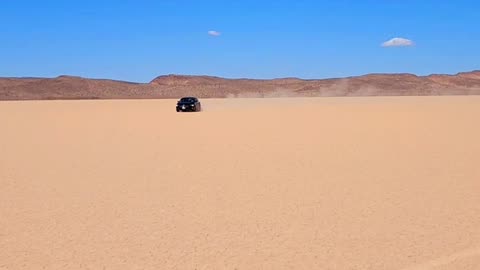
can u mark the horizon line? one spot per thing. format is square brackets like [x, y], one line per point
[241, 78]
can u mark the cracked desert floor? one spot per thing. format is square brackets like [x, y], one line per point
[283, 183]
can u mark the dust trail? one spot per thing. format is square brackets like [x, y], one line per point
[276, 93]
[446, 260]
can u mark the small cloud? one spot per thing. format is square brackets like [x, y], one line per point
[214, 33]
[398, 42]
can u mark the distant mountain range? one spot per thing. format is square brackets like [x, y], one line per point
[175, 86]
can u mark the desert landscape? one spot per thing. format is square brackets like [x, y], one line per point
[274, 183]
[175, 86]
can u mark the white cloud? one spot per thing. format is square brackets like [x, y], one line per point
[398, 42]
[214, 33]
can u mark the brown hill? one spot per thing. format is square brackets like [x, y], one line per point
[174, 86]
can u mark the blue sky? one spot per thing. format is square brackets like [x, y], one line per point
[139, 40]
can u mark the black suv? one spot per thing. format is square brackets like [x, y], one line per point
[189, 104]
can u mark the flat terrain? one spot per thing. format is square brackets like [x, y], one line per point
[287, 183]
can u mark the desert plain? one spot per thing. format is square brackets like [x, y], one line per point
[277, 183]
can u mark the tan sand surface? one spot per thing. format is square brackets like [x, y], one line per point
[321, 183]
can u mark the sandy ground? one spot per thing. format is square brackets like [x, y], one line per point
[326, 183]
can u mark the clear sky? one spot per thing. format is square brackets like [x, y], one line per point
[138, 40]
